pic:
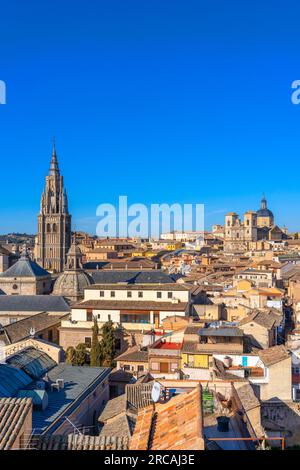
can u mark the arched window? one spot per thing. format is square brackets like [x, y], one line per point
[54, 228]
[48, 228]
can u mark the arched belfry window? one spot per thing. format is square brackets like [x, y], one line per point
[48, 228]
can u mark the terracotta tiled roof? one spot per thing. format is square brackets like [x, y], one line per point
[19, 330]
[263, 319]
[246, 396]
[113, 407]
[175, 425]
[82, 442]
[273, 355]
[139, 395]
[133, 354]
[13, 412]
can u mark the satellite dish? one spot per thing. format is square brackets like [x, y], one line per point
[155, 393]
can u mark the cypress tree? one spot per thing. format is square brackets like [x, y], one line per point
[95, 354]
[108, 344]
[80, 354]
[70, 355]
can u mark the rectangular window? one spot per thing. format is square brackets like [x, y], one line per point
[174, 366]
[155, 366]
[164, 367]
[88, 342]
[158, 295]
[129, 294]
[140, 295]
[89, 315]
[126, 367]
[112, 293]
[140, 368]
[98, 316]
[102, 293]
[109, 317]
[170, 295]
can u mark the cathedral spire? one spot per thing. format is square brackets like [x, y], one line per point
[54, 170]
[54, 221]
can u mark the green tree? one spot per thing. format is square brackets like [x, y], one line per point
[96, 350]
[80, 354]
[70, 355]
[108, 344]
[296, 237]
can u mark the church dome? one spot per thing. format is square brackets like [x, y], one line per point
[74, 279]
[71, 284]
[264, 211]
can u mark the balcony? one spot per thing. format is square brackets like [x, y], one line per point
[79, 324]
[247, 372]
[137, 326]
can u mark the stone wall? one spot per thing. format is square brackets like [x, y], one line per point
[283, 417]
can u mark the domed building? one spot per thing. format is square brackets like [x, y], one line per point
[25, 277]
[249, 234]
[265, 217]
[74, 279]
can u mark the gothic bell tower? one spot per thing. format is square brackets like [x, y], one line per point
[54, 221]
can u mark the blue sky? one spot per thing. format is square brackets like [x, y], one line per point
[160, 100]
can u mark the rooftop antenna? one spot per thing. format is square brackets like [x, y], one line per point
[74, 427]
[32, 332]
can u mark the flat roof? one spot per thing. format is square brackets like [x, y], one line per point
[220, 332]
[77, 384]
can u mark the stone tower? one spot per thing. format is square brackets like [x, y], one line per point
[250, 226]
[54, 221]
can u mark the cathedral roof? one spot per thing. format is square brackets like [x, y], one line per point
[33, 303]
[25, 267]
[132, 277]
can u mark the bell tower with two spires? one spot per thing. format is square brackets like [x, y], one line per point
[54, 221]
